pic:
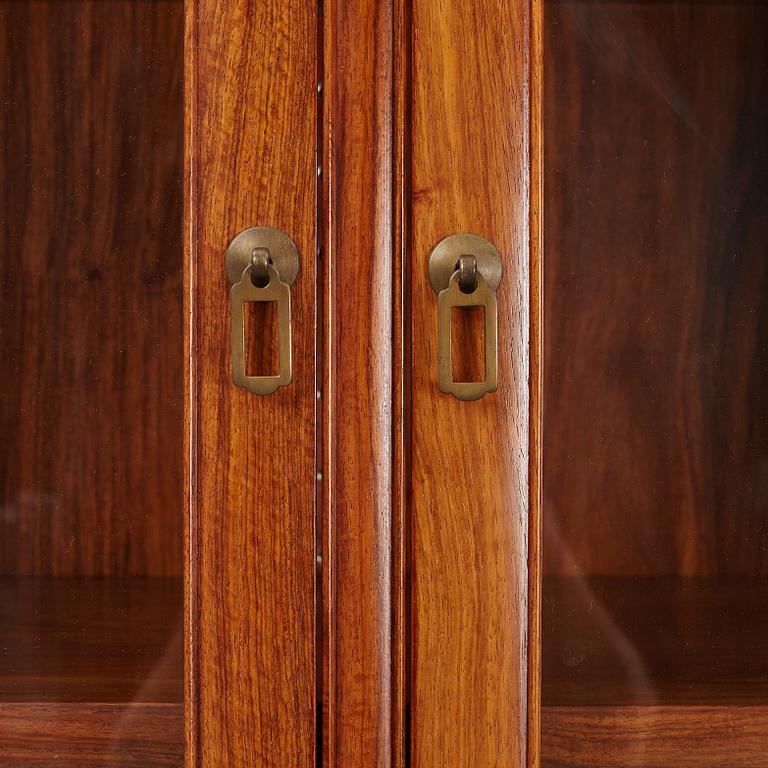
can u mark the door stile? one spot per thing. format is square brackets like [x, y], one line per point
[536, 347]
[251, 145]
[359, 464]
[470, 495]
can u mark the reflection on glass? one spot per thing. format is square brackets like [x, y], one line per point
[656, 383]
[90, 396]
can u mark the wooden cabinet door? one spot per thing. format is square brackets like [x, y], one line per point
[472, 472]
[252, 144]
[410, 643]
[339, 572]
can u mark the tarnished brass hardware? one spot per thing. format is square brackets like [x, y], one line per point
[465, 271]
[259, 267]
[467, 266]
[281, 251]
[262, 263]
[444, 260]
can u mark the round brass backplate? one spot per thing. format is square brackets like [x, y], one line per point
[444, 258]
[283, 253]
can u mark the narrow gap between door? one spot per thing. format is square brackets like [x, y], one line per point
[319, 410]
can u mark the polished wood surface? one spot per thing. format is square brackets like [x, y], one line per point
[90, 640]
[612, 641]
[401, 383]
[90, 267]
[655, 415]
[91, 735]
[251, 150]
[656, 298]
[535, 378]
[654, 737]
[467, 343]
[469, 486]
[357, 391]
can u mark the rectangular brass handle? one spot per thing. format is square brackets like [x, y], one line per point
[465, 271]
[262, 263]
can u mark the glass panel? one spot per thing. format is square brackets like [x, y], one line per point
[655, 649]
[91, 383]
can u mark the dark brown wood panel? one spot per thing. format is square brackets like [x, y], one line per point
[91, 640]
[359, 293]
[612, 641]
[90, 268]
[653, 737]
[251, 143]
[92, 735]
[656, 298]
[469, 487]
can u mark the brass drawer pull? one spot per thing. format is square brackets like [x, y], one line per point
[262, 263]
[465, 271]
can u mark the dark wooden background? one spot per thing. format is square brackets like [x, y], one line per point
[90, 273]
[656, 289]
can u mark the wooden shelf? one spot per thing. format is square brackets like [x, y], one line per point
[635, 670]
[91, 672]
[91, 735]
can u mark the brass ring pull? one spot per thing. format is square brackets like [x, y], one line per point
[259, 267]
[465, 271]
[467, 268]
[262, 264]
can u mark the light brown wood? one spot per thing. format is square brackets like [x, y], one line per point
[470, 472]
[251, 156]
[91, 735]
[90, 267]
[654, 737]
[359, 293]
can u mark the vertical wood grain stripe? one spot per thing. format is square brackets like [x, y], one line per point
[536, 344]
[470, 476]
[401, 384]
[251, 157]
[358, 260]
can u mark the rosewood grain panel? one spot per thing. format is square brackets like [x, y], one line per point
[358, 389]
[468, 343]
[653, 737]
[90, 268]
[656, 298]
[469, 488]
[251, 142]
[92, 735]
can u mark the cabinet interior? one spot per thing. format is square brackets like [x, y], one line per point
[655, 387]
[655, 457]
[91, 385]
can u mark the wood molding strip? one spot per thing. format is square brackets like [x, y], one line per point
[401, 386]
[536, 345]
[358, 391]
